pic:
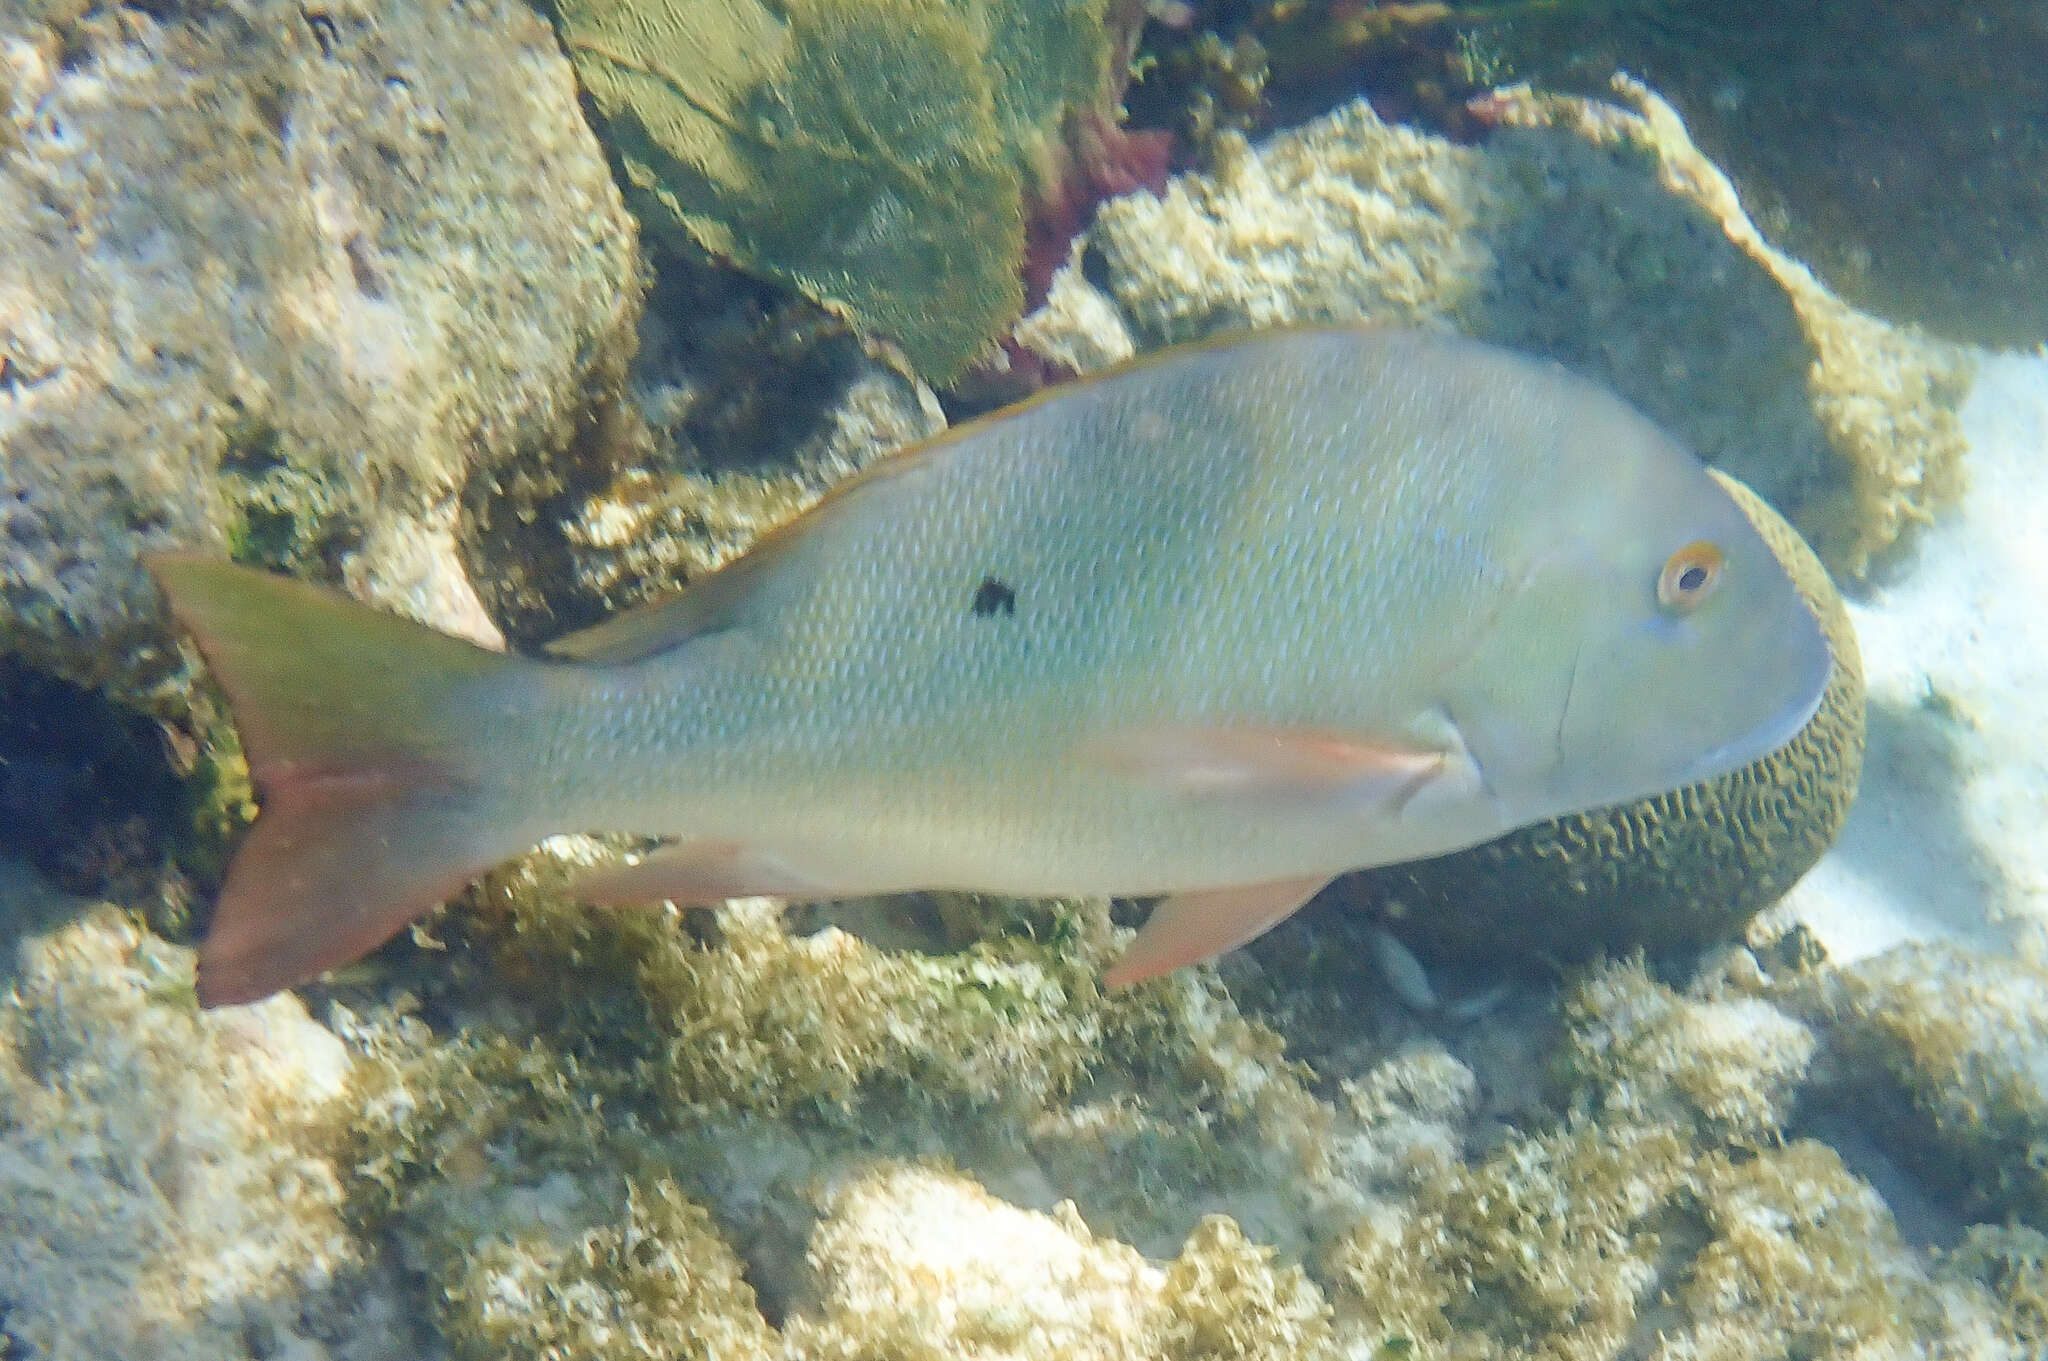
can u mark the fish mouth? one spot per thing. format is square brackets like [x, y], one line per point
[1767, 737]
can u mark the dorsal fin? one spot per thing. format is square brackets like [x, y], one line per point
[728, 596]
[708, 605]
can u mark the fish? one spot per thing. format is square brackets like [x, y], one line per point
[1214, 626]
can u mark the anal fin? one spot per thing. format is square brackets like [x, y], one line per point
[1188, 928]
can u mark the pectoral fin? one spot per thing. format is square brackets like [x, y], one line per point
[1188, 928]
[1251, 759]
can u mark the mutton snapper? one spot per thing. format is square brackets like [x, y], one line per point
[1219, 625]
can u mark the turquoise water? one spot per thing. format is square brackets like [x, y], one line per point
[508, 320]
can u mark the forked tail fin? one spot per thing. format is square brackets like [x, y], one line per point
[362, 731]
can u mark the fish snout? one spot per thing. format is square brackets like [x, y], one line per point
[1789, 691]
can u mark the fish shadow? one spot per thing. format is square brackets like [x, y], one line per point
[1909, 829]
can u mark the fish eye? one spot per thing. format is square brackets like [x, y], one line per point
[1689, 577]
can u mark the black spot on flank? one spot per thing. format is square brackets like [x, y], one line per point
[994, 597]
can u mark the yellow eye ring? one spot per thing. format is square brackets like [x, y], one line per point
[1689, 577]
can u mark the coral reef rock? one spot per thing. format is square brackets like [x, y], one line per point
[670, 1134]
[1588, 231]
[168, 1189]
[1898, 147]
[718, 1131]
[1665, 1216]
[1727, 1067]
[278, 279]
[743, 405]
[912, 1262]
[650, 1278]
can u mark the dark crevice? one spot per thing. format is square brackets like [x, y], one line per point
[87, 788]
[720, 332]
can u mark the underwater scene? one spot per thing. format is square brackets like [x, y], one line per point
[853, 680]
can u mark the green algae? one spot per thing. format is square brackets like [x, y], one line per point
[1229, 1300]
[1636, 1051]
[1944, 1043]
[1664, 1217]
[872, 153]
[657, 1281]
[641, 1101]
